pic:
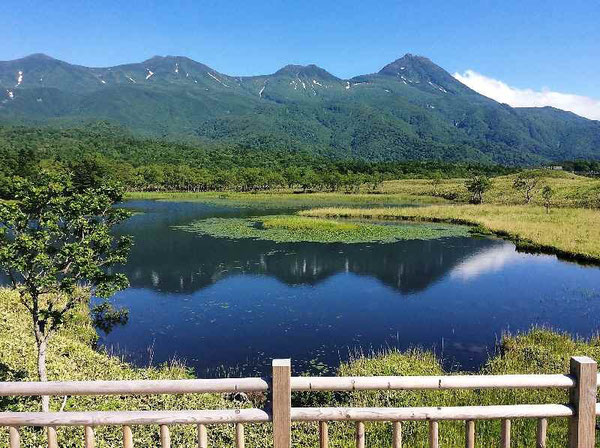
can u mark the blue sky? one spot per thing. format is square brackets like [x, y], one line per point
[553, 45]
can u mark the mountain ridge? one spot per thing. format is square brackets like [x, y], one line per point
[410, 109]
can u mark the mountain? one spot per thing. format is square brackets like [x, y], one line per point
[410, 109]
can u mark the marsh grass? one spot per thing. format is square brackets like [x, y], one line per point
[290, 228]
[568, 232]
[569, 189]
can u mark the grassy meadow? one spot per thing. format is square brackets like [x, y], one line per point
[570, 190]
[72, 356]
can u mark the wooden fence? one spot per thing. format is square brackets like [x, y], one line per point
[581, 410]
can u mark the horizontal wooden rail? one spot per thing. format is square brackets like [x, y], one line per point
[120, 418]
[347, 383]
[140, 387]
[432, 413]
[581, 410]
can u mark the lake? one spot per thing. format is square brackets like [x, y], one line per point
[225, 305]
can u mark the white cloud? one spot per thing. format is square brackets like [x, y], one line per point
[503, 93]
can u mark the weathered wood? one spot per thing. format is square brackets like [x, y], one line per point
[582, 426]
[127, 437]
[431, 382]
[14, 437]
[119, 418]
[431, 413]
[202, 437]
[90, 441]
[282, 402]
[434, 438]
[323, 435]
[505, 434]
[52, 437]
[165, 437]
[240, 441]
[134, 387]
[360, 435]
[470, 434]
[397, 435]
[542, 428]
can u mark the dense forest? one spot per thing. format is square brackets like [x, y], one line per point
[102, 152]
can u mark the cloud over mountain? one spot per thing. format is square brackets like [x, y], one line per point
[503, 93]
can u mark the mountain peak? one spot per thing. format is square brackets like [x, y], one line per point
[418, 70]
[39, 56]
[308, 71]
[411, 63]
[34, 57]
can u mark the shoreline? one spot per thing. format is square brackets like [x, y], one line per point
[522, 242]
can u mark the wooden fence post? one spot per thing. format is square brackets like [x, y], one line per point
[582, 427]
[282, 403]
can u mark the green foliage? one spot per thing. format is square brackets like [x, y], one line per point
[103, 153]
[105, 316]
[547, 194]
[54, 238]
[283, 228]
[477, 185]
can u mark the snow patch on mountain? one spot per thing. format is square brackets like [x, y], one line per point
[441, 89]
[216, 79]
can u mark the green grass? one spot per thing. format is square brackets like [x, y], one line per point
[72, 357]
[286, 228]
[568, 232]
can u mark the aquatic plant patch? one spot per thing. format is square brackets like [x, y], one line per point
[289, 228]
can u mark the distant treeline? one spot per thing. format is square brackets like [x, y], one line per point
[104, 153]
[583, 167]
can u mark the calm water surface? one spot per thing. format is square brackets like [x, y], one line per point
[236, 304]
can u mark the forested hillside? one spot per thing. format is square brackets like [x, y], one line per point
[101, 152]
[411, 109]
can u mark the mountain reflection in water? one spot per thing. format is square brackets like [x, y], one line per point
[239, 303]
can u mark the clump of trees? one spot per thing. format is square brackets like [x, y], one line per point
[55, 239]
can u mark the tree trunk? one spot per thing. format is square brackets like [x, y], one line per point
[42, 345]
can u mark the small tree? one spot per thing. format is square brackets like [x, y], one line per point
[547, 194]
[375, 180]
[54, 238]
[436, 182]
[526, 183]
[477, 185]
